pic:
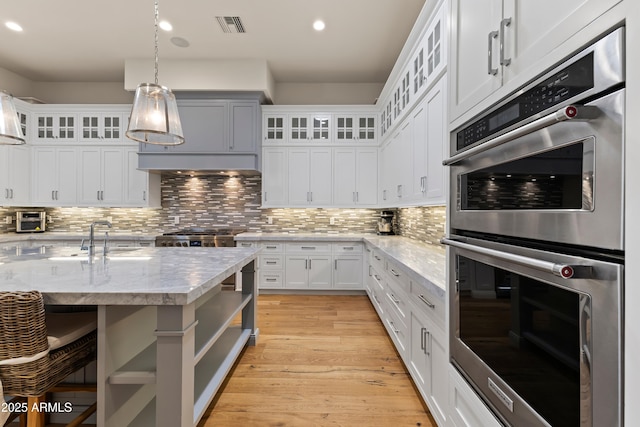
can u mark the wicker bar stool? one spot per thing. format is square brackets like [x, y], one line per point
[38, 351]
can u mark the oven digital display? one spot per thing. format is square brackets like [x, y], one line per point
[565, 84]
[197, 243]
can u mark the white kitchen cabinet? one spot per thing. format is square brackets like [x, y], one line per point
[355, 176]
[397, 165]
[310, 176]
[429, 364]
[102, 127]
[347, 266]
[351, 128]
[273, 127]
[55, 127]
[141, 188]
[314, 127]
[101, 174]
[308, 272]
[429, 144]
[494, 41]
[274, 177]
[15, 175]
[54, 176]
[465, 408]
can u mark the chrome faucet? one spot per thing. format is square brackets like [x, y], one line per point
[92, 248]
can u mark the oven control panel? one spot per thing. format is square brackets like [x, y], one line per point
[555, 89]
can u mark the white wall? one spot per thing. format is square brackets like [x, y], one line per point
[327, 93]
[14, 84]
[82, 93]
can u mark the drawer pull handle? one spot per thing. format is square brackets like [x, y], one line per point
[394, 272]
[347, 248]
[426, 301]
[393, 327]
[271, 247]
[311, 248]
[271, 280]
[395, 300]
[272, 262]
[378, 278]
[377, 257]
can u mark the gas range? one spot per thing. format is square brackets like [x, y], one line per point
[199, 237]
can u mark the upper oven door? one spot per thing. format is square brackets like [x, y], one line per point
[562, 182]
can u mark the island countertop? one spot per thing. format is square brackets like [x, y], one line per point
[140, 276]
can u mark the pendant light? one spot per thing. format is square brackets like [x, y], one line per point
[10, 129]
[154, 113]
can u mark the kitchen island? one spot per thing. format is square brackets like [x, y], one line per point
[167, 334]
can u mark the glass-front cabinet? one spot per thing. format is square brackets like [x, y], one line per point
[309, 127]
[55, 127]
[101, 127]
[354, 128]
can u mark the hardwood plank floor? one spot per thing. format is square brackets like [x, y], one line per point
[320, 361]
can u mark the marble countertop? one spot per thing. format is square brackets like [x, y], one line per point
[49, 236]
[425, 263]
[135, 276]
[294, 237]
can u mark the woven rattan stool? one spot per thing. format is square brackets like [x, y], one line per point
[34, 360]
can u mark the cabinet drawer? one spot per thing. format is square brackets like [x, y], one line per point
[398, 301]
[308, 248]
[270, 279]
[398, 331]
[272, 262]
[428, 302]
[377, 280]
[397, 274]
[272, 247]
[347, 248]
[245, 244]
[377, 260]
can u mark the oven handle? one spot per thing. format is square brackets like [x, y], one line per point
[570, 112]
[561, 270]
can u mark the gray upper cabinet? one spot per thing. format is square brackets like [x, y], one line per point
[220, 134]
[205, 126]
[243, 121]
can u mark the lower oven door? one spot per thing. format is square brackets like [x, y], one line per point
[538, 334]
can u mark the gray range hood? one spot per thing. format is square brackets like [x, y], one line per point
[221, 135]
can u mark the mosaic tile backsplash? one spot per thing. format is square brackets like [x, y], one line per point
[222, 201]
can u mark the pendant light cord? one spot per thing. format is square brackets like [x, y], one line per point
[156, 42]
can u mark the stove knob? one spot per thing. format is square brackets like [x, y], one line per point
[184, 244]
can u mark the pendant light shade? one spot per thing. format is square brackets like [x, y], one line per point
[154, 116]
[154, 113]
[10, 129]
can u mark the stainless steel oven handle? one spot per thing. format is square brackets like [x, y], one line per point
[570, 112]
[561, 270]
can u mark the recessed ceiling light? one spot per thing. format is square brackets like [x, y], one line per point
[180, 42]
[13, 26]
[318, 25]
[165, 25]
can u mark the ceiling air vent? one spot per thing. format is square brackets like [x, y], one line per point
[231, 24]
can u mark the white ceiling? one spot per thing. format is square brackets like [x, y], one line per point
[88, 41]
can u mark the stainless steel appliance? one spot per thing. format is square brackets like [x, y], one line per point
[31, 222]
[385, 223]
[547, 162]
[537, 249]
[202, 238]
[199, 237]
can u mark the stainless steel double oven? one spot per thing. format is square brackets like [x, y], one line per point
[537, 245]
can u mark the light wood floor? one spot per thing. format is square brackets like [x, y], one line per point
[320, 361]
